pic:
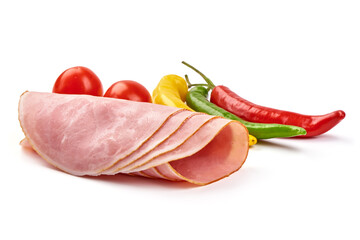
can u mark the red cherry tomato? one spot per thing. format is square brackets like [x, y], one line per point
[129, 90]
[78, 80]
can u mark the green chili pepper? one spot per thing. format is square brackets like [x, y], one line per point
[197, 100]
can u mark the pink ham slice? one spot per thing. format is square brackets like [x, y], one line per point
[185, 131]
[168, 128]
[86, 135]
[168, 172]
[204, 153]
[194, 143]
[210, 159]
[25, 143]
[154, 173]
[221, 157]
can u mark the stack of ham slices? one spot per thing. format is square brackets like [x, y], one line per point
[87, 135]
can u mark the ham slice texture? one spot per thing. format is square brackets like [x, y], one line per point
[169, 127]
[86, 135]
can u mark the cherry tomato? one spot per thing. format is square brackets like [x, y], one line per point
[78, 80]
[129, 90]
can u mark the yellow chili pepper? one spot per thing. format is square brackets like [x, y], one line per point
[172, 90]
[252, 140]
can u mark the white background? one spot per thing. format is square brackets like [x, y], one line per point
[302, 56]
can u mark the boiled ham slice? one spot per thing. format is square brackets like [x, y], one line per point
[167, 129]
[86, 135]
[217, 156]
[186, 130]
[208, 159]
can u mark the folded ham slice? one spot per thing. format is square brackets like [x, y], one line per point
[189, 128]
[167, 129]
[87, 135]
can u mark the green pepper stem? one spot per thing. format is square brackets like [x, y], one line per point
[209, 82]
[199, 84]
[195, 84]
[187, 80]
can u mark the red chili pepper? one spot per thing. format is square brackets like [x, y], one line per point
[314, 125]
[231, 102]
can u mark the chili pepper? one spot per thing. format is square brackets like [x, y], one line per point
[230, 101]
[314, 125]
[171, 91]
[197, 100]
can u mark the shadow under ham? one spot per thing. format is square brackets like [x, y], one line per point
[138, 181]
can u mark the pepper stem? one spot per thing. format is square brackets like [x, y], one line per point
[209, 82]
[187, 80]
[195, 84]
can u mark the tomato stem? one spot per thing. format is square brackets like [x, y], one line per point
[209, 82]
